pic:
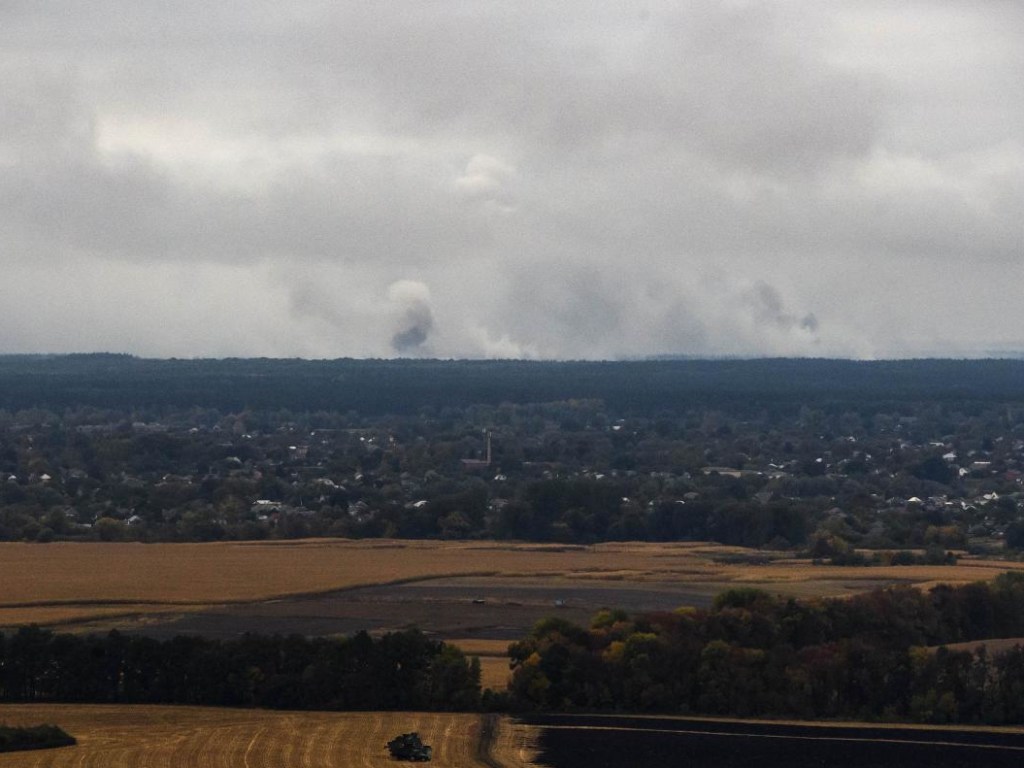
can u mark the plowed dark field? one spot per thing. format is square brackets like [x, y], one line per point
[486, 608]
[636, 742]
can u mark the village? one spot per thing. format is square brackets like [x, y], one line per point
[920, 478]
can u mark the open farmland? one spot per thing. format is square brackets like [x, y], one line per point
[466, 590]
[595, 741]
[196, 737]
[479, 595]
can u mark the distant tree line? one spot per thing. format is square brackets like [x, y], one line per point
[869, 657]
[404, 386]
[402, 670]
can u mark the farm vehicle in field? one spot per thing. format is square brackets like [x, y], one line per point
[408, 746]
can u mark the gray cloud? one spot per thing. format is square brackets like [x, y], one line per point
[570, 181]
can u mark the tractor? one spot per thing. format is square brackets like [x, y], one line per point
[408, 746]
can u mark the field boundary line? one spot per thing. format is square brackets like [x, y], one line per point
[353, 587]
[99, 602]
[199, 606]
[795, 737]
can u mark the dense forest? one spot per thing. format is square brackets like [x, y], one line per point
[397, 671]
[877, 656]
[378, 387]
[870, 657]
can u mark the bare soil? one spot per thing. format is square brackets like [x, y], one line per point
[634, 742]
[473, 608]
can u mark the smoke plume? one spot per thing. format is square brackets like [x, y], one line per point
[410, 301]
[768, 309]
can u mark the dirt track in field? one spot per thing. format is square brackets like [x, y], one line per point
[198, 737]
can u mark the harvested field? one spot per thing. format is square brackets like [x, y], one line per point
[992, 646]
[482, 648]
[187, 737]
[513, 744]
[468, 590]
[494, 661]
[494, 672]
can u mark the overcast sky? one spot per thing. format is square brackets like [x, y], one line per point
[326, 178]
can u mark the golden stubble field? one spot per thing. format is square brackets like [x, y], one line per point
[62, 583]
[112, 736]
[122, 736]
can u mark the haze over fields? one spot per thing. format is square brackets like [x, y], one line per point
[530, 180]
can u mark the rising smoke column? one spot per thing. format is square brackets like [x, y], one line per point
[410, 301]
[768, 309]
